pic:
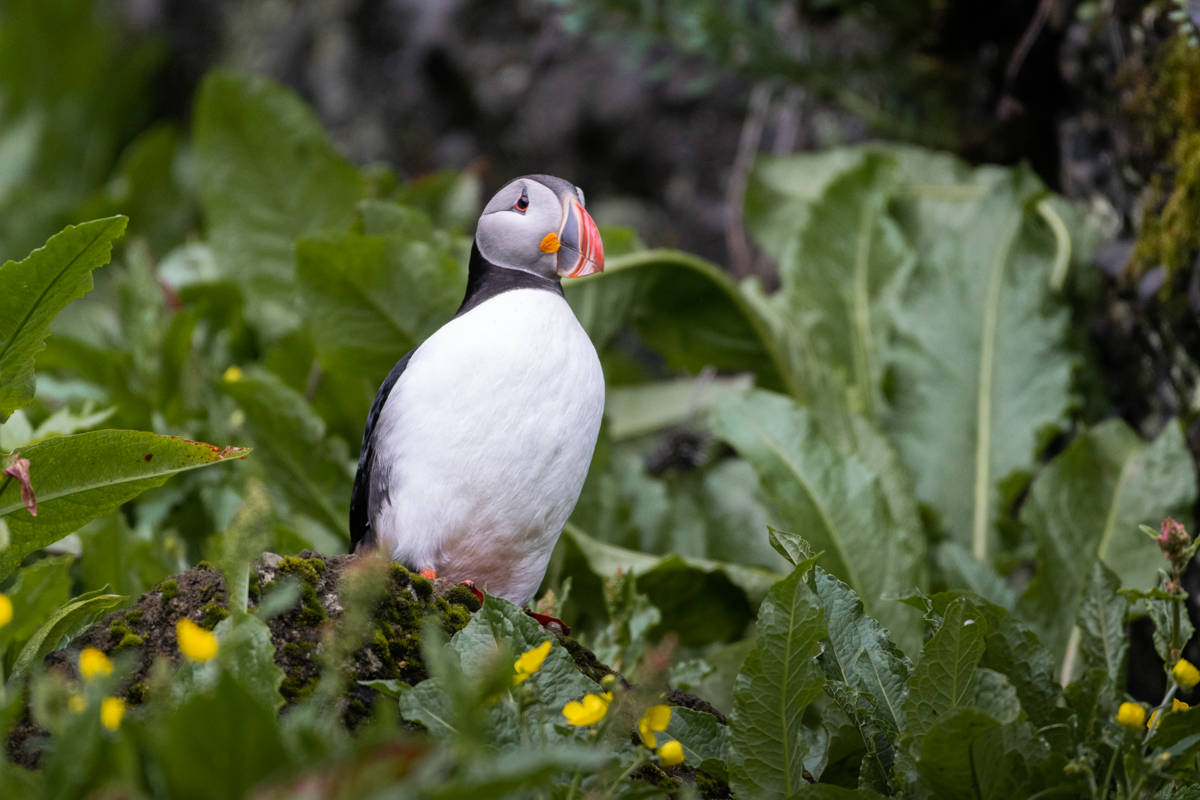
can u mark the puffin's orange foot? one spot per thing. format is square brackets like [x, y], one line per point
[429, 574]
[471, 585]
[545, 620]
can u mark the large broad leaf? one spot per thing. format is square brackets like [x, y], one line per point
[78, 478]
[859, 653]
[1086, 506]
[834, 499]
[221, 743]
[841, 275]
[302, 463]
[268, 176]
[64, 622]
[368, 299]
[701, 600]
[1102, 637]
[1012, 649]
[1009, 761]
[946, 752]
[36, 592]
[981, 366]
[33, 291]
[944, 678]
[780, 677]
[686, 309]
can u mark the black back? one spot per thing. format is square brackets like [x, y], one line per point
[485, 280]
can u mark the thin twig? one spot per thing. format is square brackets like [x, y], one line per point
[740, 258]
[1017, 59]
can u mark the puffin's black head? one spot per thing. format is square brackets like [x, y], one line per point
[537, 224]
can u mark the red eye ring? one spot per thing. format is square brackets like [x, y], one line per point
[522, 203]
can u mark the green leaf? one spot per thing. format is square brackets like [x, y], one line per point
[80, 611]
[502, 623]
[268, 176]
[300, 462]
[1007, 761]
[779, 679]
[221, 743]
[858, 651]
[790, 546]
[1178, 733]
[833, 498]
[649, 407]
[701, 735]
[1087, 505]
[369, 299]
[842, 273]
[1101, 621]
[33, 291]
[992, 693]
[683, 307]
[946, 752]
[78, 478]
[961, 570]
[703, 601]
[981, 366]
[246, 653]
[1013, 650]
[37, 591]
[943, 679]
[429, 704]
[862, 710]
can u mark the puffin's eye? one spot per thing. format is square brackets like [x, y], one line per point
[522, 204]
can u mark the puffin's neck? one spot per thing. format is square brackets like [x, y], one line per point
[485, 280]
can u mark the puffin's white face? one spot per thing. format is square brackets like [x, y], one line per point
[527, 226]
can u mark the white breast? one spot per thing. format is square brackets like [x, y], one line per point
[485, 441]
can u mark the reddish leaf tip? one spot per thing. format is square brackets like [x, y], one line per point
[19, 468]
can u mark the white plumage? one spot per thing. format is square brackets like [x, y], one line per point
[485, 440]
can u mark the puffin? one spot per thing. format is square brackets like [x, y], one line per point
[478, 442]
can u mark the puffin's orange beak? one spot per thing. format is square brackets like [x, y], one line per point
[580, 250]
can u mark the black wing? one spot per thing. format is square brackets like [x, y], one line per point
[360, 500]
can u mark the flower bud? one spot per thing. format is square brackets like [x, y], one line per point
[1185, 674]
[1174, 542]
[1131, 716]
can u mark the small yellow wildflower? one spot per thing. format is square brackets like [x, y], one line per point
[1185, 674]
[195, 642]
[1176, 705]
[1132, 716]
[671, 753]
[77, 704]
[93, 663]
[112, 711]
[233, 374]
[656, 718]
[589, 711]
[530, 662]
[6, 610]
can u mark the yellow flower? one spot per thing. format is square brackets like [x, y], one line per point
[1132, 716]
[589, 711]
[93, 663]
[77, 704]
[233, 374]
[1176, 705]
[671, 753]
[6, 610]
[195, 642]
[656, 718]
[1185, 674]
[112, 711]
[530, 662]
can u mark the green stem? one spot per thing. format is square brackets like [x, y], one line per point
[1137, 787]
[1112, 762]
[574, 784]
[1166, 701]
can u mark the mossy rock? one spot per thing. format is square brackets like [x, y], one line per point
[391, 649]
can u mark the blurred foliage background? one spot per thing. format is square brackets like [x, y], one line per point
[968, 376]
